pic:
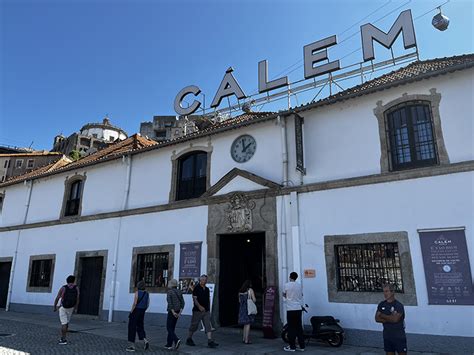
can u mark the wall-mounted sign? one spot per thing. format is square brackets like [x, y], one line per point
[189, 265]
[309, 273]
[299, 144]
[312, 53]
[447, 268]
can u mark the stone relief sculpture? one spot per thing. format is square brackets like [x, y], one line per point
[239, 213]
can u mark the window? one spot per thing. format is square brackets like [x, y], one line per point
[367, 267]
[153, 269]
[72, 199]
[2, 197]
[40, 273]
[410, 135]
[5, 165]
[154, 265]
[160, 134]
[18, 163]
[192, 171]
[357, 266]
[85, 141]
[410, 132]
[30, 164]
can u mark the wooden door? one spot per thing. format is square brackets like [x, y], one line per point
[90, 285]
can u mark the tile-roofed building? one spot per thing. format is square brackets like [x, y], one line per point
[352, 192]
[19, 163]
[131, 144]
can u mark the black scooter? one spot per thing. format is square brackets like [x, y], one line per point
[324, 328]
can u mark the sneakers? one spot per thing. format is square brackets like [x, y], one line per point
[130, 349]
[168, 347]
[62, 341]
[146, 344]
[177, 344]
[212, 344]
[300, 349]
[287, 348]
[190, 342]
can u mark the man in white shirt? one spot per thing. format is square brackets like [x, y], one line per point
[293, 295]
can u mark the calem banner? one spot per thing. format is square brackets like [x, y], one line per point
[447, 268]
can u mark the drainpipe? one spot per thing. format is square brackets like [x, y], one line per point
[283, 224]
[113, 289]
[295, 232]
[12, 274]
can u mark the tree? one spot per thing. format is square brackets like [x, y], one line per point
[75, 155]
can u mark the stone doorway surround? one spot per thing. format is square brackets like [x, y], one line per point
[240, 212]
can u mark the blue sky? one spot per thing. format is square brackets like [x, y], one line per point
[66, 63]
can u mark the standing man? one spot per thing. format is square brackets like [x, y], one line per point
[201, 312]
[293, 295]
[69, 296]
[392, 315]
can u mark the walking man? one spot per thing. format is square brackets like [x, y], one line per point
[69, 296]
[201, 312]
[293, 295]
[392, 315]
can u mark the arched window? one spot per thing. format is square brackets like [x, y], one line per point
[409, 129]
[192, 174]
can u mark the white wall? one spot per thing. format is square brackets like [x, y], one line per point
[436, 202]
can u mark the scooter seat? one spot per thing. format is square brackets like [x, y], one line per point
[317, 321]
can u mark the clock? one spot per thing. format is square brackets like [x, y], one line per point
[243, 148]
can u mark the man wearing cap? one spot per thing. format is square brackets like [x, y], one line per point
[201, 312]
[175, 301]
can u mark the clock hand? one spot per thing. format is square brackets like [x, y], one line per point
[245, 147]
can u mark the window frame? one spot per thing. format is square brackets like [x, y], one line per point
[32, 161]
[433, 99]
[16, 163]
[40, 289]
[154, 249]
[408, 297]
[175, 162]
[68, 183]
[181, 194]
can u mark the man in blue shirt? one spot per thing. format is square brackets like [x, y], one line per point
[392, 315]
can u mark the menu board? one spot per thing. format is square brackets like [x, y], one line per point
[268, 311]
[447, 268]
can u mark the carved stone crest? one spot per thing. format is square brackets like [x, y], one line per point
[239, 213]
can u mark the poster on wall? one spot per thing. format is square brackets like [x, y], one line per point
[447, 268]
[189, 265]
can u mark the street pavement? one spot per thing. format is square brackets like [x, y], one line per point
[23, 333]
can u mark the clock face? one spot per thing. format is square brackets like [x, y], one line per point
[243, 148]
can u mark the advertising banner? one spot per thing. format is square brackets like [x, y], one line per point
[447, 268]
[189, 265]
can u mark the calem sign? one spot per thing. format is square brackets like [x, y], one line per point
[313, 53]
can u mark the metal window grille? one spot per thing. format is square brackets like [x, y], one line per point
[153, 269]
[367, 267]
[409, 128]
[40, 273]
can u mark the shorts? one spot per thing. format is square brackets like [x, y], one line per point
[392, 345]
[198, 316]
[65, 315]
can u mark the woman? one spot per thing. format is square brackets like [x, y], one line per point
[175, 307]
[136, 317]
[245, 319]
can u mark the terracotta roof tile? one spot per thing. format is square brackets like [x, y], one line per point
[415, 71]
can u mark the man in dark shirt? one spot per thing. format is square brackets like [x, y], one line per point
[392, 315]
[201, 312]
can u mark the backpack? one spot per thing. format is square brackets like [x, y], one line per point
[69, 297]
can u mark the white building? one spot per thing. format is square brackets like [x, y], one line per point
[386, 162]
